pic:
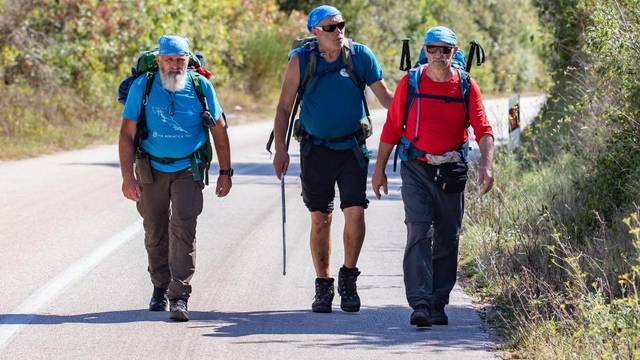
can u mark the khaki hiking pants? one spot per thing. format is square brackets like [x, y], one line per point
[170, 207]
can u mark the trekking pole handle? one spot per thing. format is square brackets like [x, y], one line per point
[405, 58]
[476, 50]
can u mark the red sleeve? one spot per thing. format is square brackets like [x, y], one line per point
[477, 115]
[392, 129]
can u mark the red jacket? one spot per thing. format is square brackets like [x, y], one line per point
[442, 125]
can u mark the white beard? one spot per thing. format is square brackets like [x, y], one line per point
[173, 80]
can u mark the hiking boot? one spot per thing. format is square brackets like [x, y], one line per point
[159, 301]
[420, 316]
[179, 310]
[438, 316]
[324, 295]
[349, 299]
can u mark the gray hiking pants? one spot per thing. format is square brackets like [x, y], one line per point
[170, 207]
[433, 220]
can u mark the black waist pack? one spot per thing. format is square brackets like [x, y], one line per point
[449, 177]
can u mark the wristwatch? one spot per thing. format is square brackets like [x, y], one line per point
[227, 172]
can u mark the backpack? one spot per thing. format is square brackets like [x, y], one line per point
[146, 65]
[310, 46]
[405, 149]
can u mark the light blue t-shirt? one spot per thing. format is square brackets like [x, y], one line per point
[173, 119]
[332, 105]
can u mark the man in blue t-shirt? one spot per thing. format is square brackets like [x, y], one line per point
[168, 185]
[333, 149]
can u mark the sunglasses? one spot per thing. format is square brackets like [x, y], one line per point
[332, 27]
[432, 49]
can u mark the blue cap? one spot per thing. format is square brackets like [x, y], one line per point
[173, 45]
[440, 34]
[320, 13]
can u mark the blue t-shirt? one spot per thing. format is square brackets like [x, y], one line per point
[173, 119]
[332, 105]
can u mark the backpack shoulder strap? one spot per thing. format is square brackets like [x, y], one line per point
[142, 131]
[308, 54]
[347, 53]
[197, 85]
[149, 76]
[465, 91]
[196, 77]
[413, 86]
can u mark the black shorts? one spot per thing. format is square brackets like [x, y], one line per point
[322, 167]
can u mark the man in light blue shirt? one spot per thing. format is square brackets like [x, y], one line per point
[332, 150]
[169, 161]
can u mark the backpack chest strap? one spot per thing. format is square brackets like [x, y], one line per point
[447, 99]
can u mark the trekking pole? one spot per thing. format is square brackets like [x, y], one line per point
[282, 192]
[284, 229]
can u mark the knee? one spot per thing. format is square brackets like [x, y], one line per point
[320, 221]
[354, 215]
[418, 233]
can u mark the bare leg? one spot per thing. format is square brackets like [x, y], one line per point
[321, 243]
[353, 236]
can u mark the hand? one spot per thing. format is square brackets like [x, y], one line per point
[379, 179]
[131, 189]
[223, 185]
[485, 176]
[281, 163]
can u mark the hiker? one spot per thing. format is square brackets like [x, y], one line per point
[431, 135]
[169, 164]
[333, 148]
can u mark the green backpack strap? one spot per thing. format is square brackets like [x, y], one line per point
[309, 72]
[347, 59]
[142, 132]
[205, 153]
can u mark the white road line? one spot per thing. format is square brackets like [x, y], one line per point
[27, 311]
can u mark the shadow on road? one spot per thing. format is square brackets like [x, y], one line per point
[372, 327]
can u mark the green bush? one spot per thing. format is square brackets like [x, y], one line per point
[552, 247]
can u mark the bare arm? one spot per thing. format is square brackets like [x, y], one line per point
[283, 112]
[130, 187]
[381, 91]
[223, 152]
[379, 178]
[485, 173]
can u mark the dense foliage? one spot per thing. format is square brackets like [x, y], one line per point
[61, 61]
[557, 246]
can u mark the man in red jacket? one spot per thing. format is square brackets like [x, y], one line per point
[433, 171]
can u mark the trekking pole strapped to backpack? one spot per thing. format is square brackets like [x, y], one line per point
[476, 50]
[405, 58]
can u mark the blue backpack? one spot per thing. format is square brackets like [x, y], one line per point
[405, 149]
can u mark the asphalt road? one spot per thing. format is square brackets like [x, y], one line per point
[75, 285]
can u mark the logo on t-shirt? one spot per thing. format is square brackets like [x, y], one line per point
[344, 72]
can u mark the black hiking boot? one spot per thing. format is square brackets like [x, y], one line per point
[159, 301]
[438, 316]
[349, 299]
[324, 295]
[179, 310]
[420, 316]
